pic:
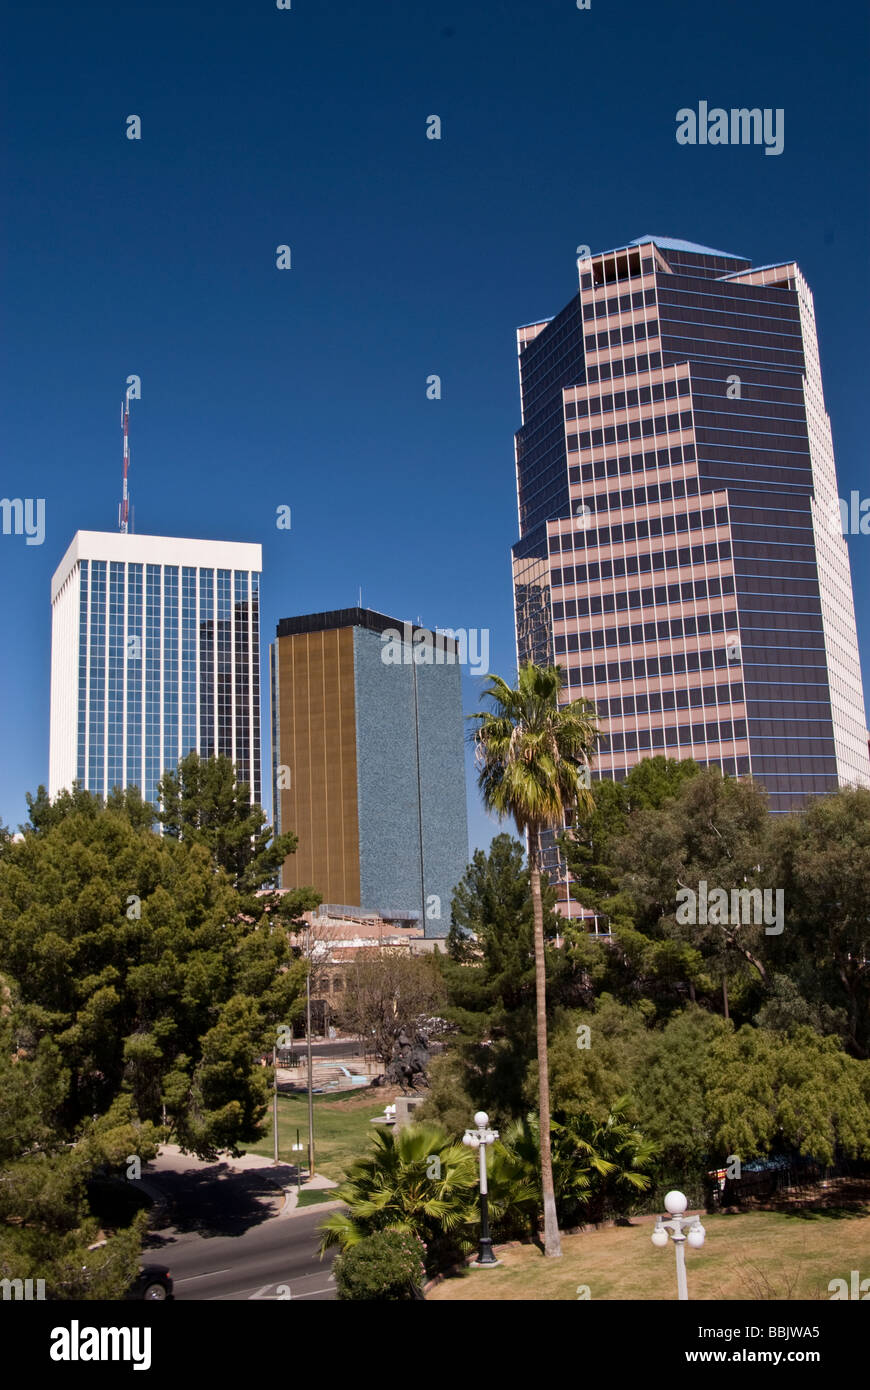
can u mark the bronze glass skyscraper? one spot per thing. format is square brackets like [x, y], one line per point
[680, 554]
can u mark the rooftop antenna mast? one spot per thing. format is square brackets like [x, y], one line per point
[124, 504]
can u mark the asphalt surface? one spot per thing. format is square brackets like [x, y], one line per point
[330, 1048]
[327, 1049]
[223, 1236]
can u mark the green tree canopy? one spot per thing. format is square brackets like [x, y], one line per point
[45, 1221]
[132, 953]
[821, 860]
[590, 848]
[489, 976]
[769, 1092]
[202, 803]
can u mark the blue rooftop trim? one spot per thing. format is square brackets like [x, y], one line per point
[534, 323]
[668, 243]
[774, 265]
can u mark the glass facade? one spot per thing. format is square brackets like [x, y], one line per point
[168, 662]
[82, 694]
[238, 689]
[206, 664]
[375, 749]
[255, 677]
[189, 703]
[675, 488]
[152, 661]
[171, 716]
[224, 672]
[96, 711]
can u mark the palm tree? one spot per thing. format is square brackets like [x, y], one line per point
[532, 758]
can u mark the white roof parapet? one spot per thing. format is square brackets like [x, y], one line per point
[156, 550]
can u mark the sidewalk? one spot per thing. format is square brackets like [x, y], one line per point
[283, 1175]
[318, 1183]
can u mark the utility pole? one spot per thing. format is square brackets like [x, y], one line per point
[310, 1064]
[275, 1098]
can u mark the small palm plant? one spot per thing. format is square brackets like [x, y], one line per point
[601, 1162]
[595, 1162]
[533, 757]
[419, 1180]
[515, 1183]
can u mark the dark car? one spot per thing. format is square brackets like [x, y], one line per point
[152, 1281]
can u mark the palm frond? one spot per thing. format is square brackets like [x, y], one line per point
[531, 753]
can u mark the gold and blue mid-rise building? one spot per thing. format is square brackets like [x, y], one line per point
[368, 762]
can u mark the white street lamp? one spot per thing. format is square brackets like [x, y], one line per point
[478, 1139]
[675, 1204]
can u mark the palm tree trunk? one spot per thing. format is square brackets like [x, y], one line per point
[552, 1240]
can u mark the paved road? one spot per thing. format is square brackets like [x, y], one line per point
[278, 1260]
[331, 1048]
[223, 1236]
[328, 1049]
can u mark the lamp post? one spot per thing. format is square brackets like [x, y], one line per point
[478, 1139]
[275, 1099]
[297, 1149]
[676, 1204]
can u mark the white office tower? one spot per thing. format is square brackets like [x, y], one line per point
[155, 652]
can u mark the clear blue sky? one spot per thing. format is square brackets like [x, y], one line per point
[409, 257]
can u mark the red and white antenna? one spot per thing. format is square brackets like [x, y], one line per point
[124, 505]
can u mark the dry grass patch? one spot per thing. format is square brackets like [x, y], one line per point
[756, 1255]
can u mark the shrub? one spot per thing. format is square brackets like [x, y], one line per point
[384, 1267]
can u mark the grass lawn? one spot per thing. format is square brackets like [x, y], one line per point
[314, 1195]
[341, 1129]
[756, 1255]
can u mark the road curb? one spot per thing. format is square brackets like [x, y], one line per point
[318, 1206]
[159, 1203]
[290, 1192]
